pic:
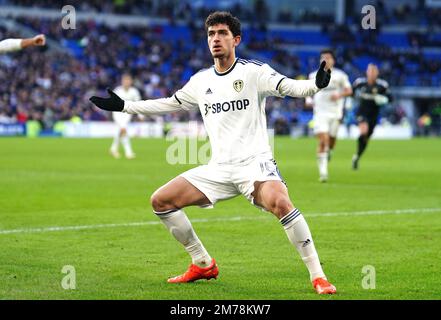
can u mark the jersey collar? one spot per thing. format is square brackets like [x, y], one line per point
[228, 71]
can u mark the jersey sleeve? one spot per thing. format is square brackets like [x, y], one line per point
[187, 96]
[136, 95]
[10, 45]
[269, 81]
[183, 99]
[385, 89]
[356, 85]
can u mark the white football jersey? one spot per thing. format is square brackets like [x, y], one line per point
[232, 105]
[132, 94]
[323, 105]
[10, 45]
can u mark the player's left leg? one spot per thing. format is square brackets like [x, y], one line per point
[273, 196]
[125, 141]
[333, 131]
[322, 155]
[332, 142]
[321, 130]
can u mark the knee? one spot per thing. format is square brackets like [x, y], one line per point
[281, 206]
[159, 203]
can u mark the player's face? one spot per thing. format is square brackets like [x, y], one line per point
[221, 41]
[372, 73]
[329, 60]
[126, 81]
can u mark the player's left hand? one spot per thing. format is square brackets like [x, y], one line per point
[323, 76]
[113, 103]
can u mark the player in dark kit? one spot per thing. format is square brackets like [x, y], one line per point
[372, 93]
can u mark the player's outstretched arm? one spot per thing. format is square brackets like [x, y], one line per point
[37, 41]
[146, 107]
[304, 88]
[17, 44]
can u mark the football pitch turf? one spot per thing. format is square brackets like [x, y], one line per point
[67, 202]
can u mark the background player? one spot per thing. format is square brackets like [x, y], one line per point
[372, 93]
[129, 93]
[18, 44]
[328, 111]
[231, 97]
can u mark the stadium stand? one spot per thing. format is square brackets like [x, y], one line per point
[49, 86]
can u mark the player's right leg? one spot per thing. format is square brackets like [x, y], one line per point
[115, 145]
[167, 203]
[363, 138]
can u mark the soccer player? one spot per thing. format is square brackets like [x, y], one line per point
[18, 44]
[372, 93]
[129, 93]
[231, 97]
[328, 111]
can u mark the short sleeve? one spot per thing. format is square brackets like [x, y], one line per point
[187, 96]
[269, 81]
[137, 95]
[345, 83]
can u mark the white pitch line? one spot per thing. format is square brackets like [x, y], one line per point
[239, 218]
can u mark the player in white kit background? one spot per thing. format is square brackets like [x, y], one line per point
[231, 97]
[328, 107]
[8, 45]
[129, 93]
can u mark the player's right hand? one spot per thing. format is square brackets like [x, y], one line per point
[39, 40]
[113, 103]
[322, 77]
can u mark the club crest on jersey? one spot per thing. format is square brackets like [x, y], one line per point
[238, 85]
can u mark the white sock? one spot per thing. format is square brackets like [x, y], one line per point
[115, 144]
[322, 161]
[125, 140]
[180, 227]
[298, 233]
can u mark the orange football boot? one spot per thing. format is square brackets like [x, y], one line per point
[322, 286]
[195, 273]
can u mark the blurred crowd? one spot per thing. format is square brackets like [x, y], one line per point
[48, 86]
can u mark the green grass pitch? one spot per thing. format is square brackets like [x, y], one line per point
[353, 218]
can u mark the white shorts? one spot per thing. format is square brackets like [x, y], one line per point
[326, 124]
[121, 119]
[221, 182]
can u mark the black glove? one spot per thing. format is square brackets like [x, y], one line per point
[322, 77]
[113, 103]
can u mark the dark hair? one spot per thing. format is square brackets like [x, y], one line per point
[224, 17]
[330, 51]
